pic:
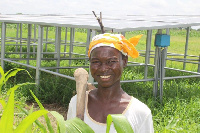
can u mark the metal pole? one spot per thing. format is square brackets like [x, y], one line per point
[156, 69]
[199, 65]
[162, 71]
[47, 30]
[165, 53]
[29, 42]
[21, 39]
[42, 52]
[88, 41]
[57, 44]
[148, 49]
[65, 46]
[39, 54]
[71, 43]
[3, 38]
[34, 37]
[186, 46]
[91, 79]
[17, 35]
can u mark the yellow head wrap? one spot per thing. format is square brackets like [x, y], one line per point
[118, 41]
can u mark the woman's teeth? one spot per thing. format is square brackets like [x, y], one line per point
[105, 77]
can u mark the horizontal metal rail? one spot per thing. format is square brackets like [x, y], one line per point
[22, 64]
[57, 74]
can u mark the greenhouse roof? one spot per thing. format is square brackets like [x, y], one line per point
[117, 23]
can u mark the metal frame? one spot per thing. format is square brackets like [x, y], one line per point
[160, 55]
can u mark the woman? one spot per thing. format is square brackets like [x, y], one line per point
[108, 55]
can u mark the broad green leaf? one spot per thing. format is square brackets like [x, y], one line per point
[29, 120]
[1, 78]
[1, 71]
[17, 86]
[11, 73]
[6, 123]
[3, 103]
[45, 116]
[41, 126]
[29, 129]
[120, 122]
[60, 120]
[8, 74]
[76, 125]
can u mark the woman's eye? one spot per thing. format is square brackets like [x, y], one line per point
[95, 62]
[112, 62]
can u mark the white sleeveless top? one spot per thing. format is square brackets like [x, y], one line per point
[137, 113]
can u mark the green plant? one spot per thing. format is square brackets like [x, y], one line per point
[181, 99]
[73, 125]
[7, 118]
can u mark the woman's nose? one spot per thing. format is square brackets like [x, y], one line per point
[104, 67]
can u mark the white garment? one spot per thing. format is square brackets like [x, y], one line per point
[137, 113]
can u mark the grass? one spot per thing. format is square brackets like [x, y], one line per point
[180, 110]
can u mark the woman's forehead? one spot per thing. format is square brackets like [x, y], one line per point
[105, 51]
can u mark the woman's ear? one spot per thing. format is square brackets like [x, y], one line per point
[125, 60]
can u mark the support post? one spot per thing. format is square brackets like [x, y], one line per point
[165, 52]
[39, 54]
[156, 69]
[88, 41]
[3, 38]
[162, 70]
[29, 42]
[34, 40]
[21, 39]
[161, 43]
[65, 46]
[199, 65]
[17, 37]
[148, 49]
[186, 47]
[47, 31]
[72, 33]
[91, 79]
[57, 46]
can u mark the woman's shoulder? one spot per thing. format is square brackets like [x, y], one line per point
[139, 106]
[73, 99]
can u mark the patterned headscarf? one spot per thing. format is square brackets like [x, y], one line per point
[117, 41]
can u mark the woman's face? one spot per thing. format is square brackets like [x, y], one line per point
[106, 66]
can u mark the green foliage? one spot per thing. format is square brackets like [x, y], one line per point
[76, 125]
[60, 120]
[45, 115]
[179, 111]
[120, 122]
[55, 89]
[29, 120]
[26, 125]
[7, 119]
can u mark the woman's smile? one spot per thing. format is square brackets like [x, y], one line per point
[105, 77]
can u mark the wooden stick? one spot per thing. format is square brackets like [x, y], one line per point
[100, 21]
[81, 77]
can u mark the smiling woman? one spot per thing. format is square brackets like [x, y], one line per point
[108, 55]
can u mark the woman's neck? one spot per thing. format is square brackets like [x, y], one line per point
[110, 93]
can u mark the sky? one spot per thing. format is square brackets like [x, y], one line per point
[110, 7]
